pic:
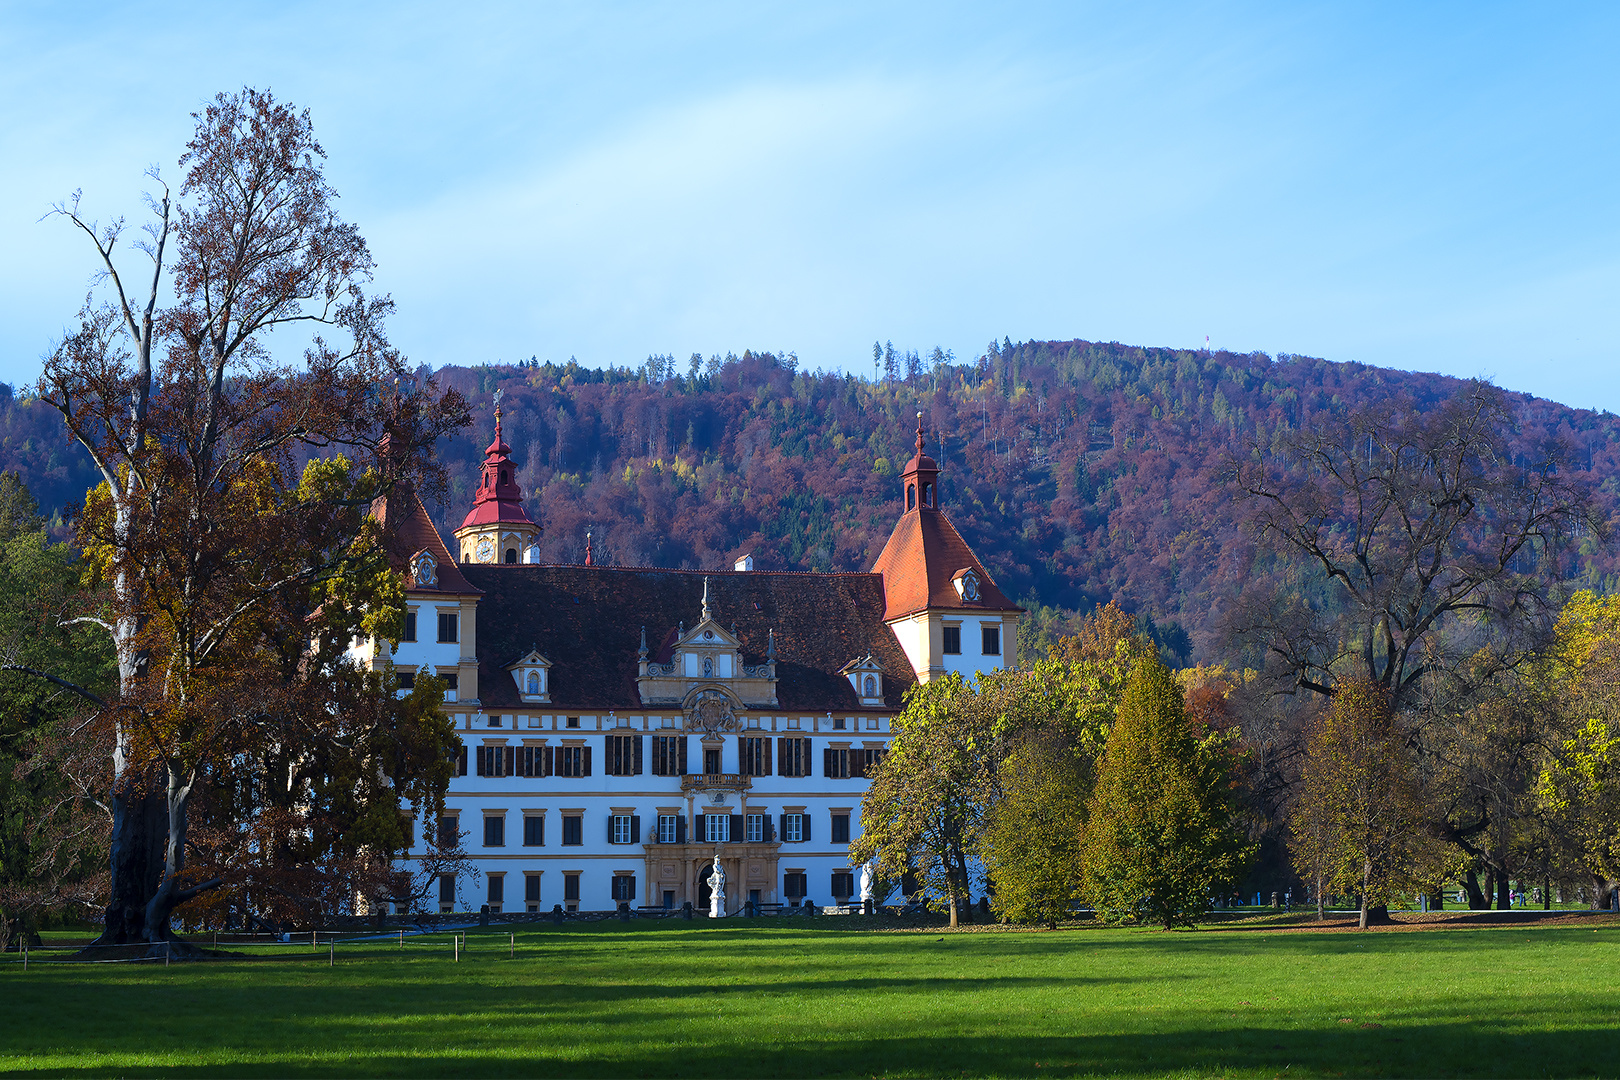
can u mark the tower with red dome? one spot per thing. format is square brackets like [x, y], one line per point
[498, 529]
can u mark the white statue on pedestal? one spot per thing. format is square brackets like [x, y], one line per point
[867, 892]
[717, 890]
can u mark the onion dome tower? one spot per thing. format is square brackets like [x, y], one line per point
[498, 529]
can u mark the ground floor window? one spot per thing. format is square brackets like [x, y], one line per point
[843, 884]
[531, 891]
[497, 891]
[795, 886]
[624, 888]
[447, 892]
[571, 887]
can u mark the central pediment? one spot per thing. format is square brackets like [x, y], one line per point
[706, 656]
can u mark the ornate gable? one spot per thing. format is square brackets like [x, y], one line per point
[532, 674]
[707, 658]
[866, 677]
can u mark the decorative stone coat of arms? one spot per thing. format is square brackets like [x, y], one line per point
[711, 714]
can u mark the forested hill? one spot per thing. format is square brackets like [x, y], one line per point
[1079, 471]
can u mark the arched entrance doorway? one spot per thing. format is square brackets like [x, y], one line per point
[704, 892]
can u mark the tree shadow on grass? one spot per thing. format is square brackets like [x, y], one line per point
[1454, 1049]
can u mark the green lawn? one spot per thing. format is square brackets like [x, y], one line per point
[685, 999]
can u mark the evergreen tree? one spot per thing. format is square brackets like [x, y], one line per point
[1161, 837]
[19, 512]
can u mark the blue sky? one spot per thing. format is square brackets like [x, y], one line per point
[1418, 186]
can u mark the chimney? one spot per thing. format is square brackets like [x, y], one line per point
[744, 563]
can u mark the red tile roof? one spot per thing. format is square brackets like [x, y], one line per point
[407, 529]
[922, 556]
[587, 621]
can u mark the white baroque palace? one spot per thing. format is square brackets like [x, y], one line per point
[623, 728]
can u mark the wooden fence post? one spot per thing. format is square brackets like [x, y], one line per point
[512, 947]
[331, 956]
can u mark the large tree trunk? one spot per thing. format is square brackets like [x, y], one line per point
[1504, 892]
[139, 832]
[1476, 898]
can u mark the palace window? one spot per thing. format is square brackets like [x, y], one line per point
[756, 828]
[624, 888]
[407, 680]
[497, 891]
[571, 888]
[711, 759]
[755, 754]
[840, 828]
[669, 755]
[449, 831]
[624, 755]
[793, 828]
[668, 827]
[410, 626]
[992, 641]
[495, 830]
[447, 892]
[793, 757]
[953, 641]
[624, 829]
[573, 834]
[835, 764]
[534, 830]
[717, 828]
[447, 628]
[531, 891]
[573, 761]
[795, 886]
[843, 884]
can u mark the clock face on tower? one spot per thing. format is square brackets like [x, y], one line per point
[486, 549]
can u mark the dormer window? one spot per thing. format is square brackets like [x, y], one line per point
[424, 570]
[967, 585]
[866, 679]
[869, 686]
[531, 676]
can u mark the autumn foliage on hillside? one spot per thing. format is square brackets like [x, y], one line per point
[1080, 472]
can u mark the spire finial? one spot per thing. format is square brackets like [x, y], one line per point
[498, 394]
[919, 433]
[642, 652]
[588, 560]
[706, 598]
[770, 646]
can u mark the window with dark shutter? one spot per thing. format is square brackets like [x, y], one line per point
[992, 641]
[736, 828]
[585, 761]
[497, 888]
[680, 829]
[531, 888]
[635, 828]
[573, 833]
[571, 887]
[635, 767]
[806, 818]
[407, 680]
[534, 831]
[843, 884]
[449, 831]
[461, 761]
[494, 830]
[447, 888]
[840, 828]
[511, 761]
[953, 641]
[795, 886]
[410, 626]
[447, 628]
[835, 764]
[480, 765]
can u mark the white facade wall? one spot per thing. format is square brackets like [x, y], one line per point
[596, 859]
[922, 637]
